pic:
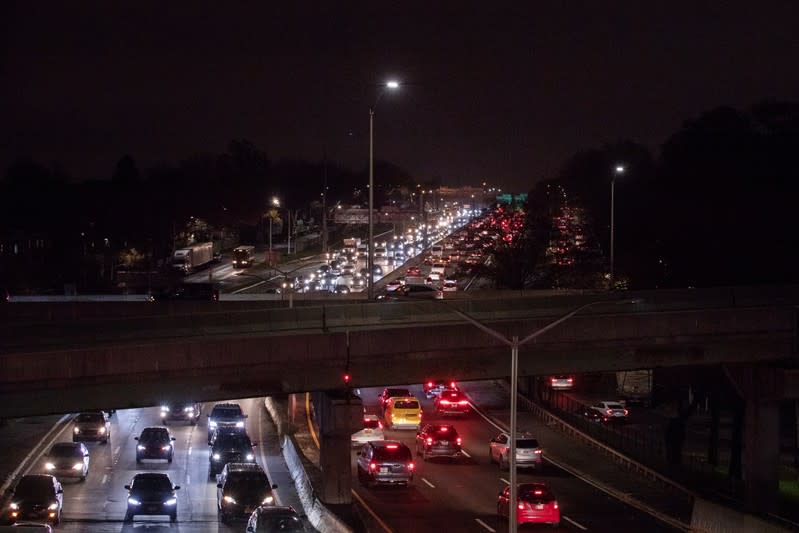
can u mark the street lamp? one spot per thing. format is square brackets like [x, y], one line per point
[514, 344]
[618, 171]
[275, 203]
[370, 281]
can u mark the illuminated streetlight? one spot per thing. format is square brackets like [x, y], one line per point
[618, 171]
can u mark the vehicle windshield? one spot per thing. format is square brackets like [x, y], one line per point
[33, 486]
[154, 434]
[406, 404]
[288, 524]
[90, 417]
[151, 483]
[226, 412]
[400, 453]
[526, 443]
[66, 451]
[611, 405]
[231, 440]
[247, 484]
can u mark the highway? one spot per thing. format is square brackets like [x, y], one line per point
[461, 495]
[99, 503]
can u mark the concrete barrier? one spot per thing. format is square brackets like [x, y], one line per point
[709, 517]
[318, 514]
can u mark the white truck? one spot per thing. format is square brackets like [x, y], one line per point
[187, 260]
[351, 245]
[635, 386]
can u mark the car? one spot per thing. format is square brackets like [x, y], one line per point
[535, 504]
[451, 402]
[230, 448]
[323, 269]
[155, 443]
[188, 411]
[420, 291]
[438, 440]
[528, 451]
[390, 392]
[68, 459]
[37, 497]
[591, 415]
[433, 387]
[268, 519]
[615, 411]
[340, 289]
[561, 382]
[152, 493]
[189, 292]
[385, 462]
[403, 412]
[225, 415]
[372, 430]
[392, 286]
[450, 285]
[27, 527]
[413, 271]
[241, 489]
[91, 426]
[377, 270]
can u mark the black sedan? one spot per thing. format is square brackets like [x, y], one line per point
[152, 494]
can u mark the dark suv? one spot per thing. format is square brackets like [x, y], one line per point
[230, 448]
[37, 497]
[154, 443]
[188, 411]
[385, 462]
[152, 494]
[438, 440]
[390, 392]
[242, 488]
[223, 416]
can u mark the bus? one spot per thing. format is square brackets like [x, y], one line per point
[243, 256]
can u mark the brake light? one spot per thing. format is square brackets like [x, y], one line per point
[411, 466]
[626, 412]
[372, 466]
[429, 384]
[459, 440]
[443, 428]
[538, 492]
[462, 402]
[392, 446]
[429, 440]
[570, 380]
[608, 412]
[537, 451]
[452, 384]
[555, 504]
[379, 424]
[554, 380]
[520, 506]
[444, 402]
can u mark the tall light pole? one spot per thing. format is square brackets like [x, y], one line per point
[514, 344]
[275, 203]
[618, 171]
[370, 280]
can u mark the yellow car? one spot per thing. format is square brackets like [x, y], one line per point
[403, 412]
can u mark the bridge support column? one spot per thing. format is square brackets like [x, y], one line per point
[339, 415]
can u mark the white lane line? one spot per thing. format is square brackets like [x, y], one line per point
[489, 528]
[189, 452]
[116, 450]
[572, 522]
[505, 481]
[428, 483]
[466, 454]
[105, 479]
[188, 479]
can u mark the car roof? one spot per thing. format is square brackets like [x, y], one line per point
[384, 443]
[68, 445]
[245, 467]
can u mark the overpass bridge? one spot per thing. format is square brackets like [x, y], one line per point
[72, 357]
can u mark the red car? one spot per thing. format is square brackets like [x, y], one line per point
[433, 387]
[413, 271]
[451, 402]
[535, 505]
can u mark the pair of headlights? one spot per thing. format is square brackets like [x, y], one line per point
[170, 501]
[76, 466]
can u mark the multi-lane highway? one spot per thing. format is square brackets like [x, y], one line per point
[461, 495]
[99, 503]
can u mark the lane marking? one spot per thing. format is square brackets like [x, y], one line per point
[489, 528]
[355, 494]
[464, 452]
[572, 522]
[371, 512]
[428, 483]
[189, 451]
[188, 479]
[116, 450]
[263, 455]
[505, 481]
[105, 479]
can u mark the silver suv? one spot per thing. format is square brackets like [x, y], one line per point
[91, 427]
[528, 451]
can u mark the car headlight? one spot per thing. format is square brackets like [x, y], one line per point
[163, 414]
[53, 506]
[250, 457]
[165, 408]
[216, 457]
[268, 499]
[76, 430]
[102, 430]
[228, 499]
[211, 424]
[77, 466]
[14, 506]
[166, 448]
[189, 409]
[49, 466]
[133, 501]
[239, 424]
[141, 447]
[171, 501]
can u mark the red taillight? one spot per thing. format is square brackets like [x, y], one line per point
[521, 506]
[538, 452]
[554, 380]
[366, 420]
[372, 466]
[443, 428]
[411, 466]
[430, 384]
[429, 440]
[380, 425]
[626, 412]
[392, 446]
[452, 384]
[462, 402]
[608, 412]
[555, 504]
[570, 380]
[538, 492]
[459, 440]
[444, 402]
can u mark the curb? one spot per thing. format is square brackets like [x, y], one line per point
[318, 514]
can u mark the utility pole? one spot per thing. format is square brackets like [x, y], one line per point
[324, 207]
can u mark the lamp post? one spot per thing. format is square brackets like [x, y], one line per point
[275, 203]
[514, 344]
[618, 171]
[370, 281]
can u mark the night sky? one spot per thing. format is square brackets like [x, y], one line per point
[496, 94]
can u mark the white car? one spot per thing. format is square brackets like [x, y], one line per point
[561, 382]
[450, 285]
[611, 410]
[372, 431]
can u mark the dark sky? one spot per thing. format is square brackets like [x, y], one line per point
[502, 94]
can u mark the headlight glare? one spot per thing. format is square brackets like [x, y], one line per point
[165, 408]
[77, 466]
[53, 506]
[141, 447]
[216, 457]
[268, 499]
[166, 448]
[133, 501]
[211, 424]
[239, 424]
[250, 457]
[228, 499]
[14, 506]
[76, 430]
[171, 501]
[49, 466]
[102, 430]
